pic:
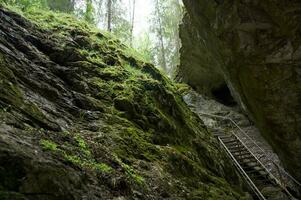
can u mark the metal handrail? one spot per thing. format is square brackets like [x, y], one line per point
[264, 154]
[271, 175]
[243, 173]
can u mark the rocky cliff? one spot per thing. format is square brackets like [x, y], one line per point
[251, 52]
[82, 117]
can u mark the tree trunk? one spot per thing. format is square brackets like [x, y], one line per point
[132, 22]
[160, 33]
[109, 10]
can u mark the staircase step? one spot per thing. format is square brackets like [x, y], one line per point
[237, 149]
[242, 154]
[224, 136]
[248, 164]
[248, 160]
[263, 183]
[257, 171]
[263, 179]
[231, 141]
[232, 147]
[262, 176]
[217, 132]
[245, 157]
[251, 166]
[236, 146]
[228, 138]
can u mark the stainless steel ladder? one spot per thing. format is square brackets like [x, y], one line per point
[251, 169]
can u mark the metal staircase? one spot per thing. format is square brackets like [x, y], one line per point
[251, 169]
[254, 172]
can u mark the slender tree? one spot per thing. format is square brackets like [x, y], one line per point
[132, 22]
[109, 17]
[89, 12]
[160, 35]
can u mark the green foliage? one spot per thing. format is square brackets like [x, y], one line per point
[120, 21]
[89, 13]
[121, 29]
[144, 45]
[165, 26]
[62, 5]
[26, 4]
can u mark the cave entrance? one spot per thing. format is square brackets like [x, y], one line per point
[223, 95]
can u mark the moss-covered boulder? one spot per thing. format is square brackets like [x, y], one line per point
[256, 46]
[82, 117]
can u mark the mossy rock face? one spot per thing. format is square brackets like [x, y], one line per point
[200, 59]
[256, 46]
[82, 117]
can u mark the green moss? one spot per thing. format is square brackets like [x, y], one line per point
[9, 91]
[130, 171]
[137, 144]
[49, 145]
[66, 133]
[112, 73]
[75, 159]
[82, 160]
[81, 142]
[78, 153]
[103, 167]
[11, 94]
[88, 163]
[182, 88]
[83, 146]
[56, 21]
[34, 111]
[130, 52]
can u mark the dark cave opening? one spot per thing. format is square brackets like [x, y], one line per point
[223, 95]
